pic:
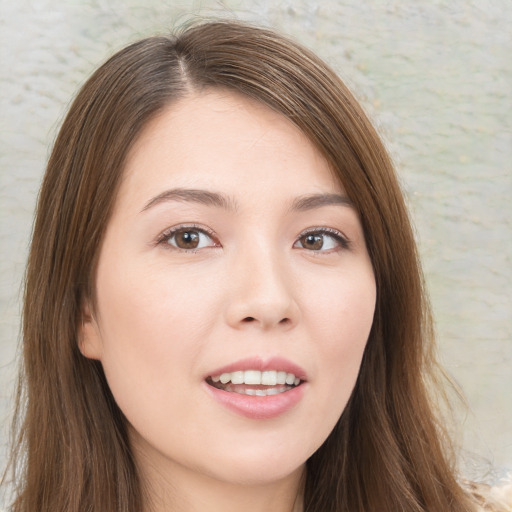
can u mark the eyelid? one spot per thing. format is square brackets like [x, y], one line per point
[343, 240]
[165, 235]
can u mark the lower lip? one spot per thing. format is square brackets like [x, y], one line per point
[258, 407]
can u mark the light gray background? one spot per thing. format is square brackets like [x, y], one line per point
[434, 75]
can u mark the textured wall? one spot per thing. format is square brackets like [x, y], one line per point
[434, 75]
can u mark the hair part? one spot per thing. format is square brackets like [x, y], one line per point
[387, 451]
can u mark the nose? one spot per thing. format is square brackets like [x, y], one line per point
[262, 292]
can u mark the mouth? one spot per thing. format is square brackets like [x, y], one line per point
[255, 382]
[259, 389]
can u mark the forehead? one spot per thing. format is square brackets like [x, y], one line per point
[225, 141]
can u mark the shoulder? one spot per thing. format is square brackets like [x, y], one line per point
[496, 498]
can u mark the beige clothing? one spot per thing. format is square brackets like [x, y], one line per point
[497, 498]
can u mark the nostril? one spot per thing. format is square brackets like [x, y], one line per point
[248, 319]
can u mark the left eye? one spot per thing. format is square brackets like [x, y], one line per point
[320, 241]
[189, 238]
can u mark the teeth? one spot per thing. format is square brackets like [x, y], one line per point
[269, 378]
[256, 378]
[263, 392]
[237, 378]
[252, 377]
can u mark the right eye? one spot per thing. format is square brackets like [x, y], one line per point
[322, 240]
[188, 238]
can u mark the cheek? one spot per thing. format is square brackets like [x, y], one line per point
[342, 318]
[342, 308]
[149, 307]
[153, 327]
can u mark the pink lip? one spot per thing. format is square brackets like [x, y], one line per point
[256, 363]
[259, 407]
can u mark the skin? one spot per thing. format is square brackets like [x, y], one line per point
[165, 317]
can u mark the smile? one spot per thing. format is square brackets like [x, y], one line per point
[255, 382]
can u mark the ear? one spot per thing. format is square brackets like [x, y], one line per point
[89, 339]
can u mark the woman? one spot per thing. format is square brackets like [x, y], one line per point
[223, 304]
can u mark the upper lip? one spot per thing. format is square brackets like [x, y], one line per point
[257, 363]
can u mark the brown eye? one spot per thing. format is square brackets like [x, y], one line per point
[189, 239]
[322, 240]
[312, 241]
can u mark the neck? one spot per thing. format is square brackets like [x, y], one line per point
[171, 487]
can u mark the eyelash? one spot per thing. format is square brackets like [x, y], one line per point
[342, 240]
[169, 233]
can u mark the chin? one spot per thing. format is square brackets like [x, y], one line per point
[257, 464]
[257, 474]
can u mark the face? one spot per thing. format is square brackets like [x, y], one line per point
[234, 293]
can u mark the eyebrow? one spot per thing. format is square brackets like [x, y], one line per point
[310, 202]
[195, 196]
[208, 198]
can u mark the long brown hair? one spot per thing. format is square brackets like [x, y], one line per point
[387, 451]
